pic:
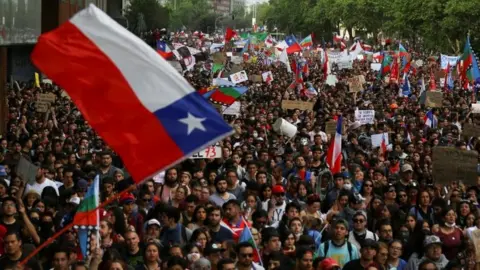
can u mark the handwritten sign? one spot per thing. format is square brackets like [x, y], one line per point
[209, 152]
[365, 116]
[434, 99]
[43, 102]
[355, 84]
[454, 164]
[239, 77]
[296, 104]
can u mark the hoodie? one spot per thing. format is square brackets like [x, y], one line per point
[414, 262]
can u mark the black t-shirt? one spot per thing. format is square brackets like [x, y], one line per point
[32, 264]
[134, 259]
[353, 265]
[222, 235]
[15, 227]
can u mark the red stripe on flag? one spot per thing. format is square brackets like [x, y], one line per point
[74, 64]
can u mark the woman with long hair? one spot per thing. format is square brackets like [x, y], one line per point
[179, 198]
[288, 243]
[200, 237]
[423, 210]
[198, 218]
[463, 210]
[367, 191]
[151, 257]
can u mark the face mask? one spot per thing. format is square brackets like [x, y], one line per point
[193, 256]
[255, 134]
[347, 186]
[426, 231]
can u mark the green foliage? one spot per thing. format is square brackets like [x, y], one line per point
[434, 25]
[150, 11]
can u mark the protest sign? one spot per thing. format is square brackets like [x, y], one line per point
[267, 77]
[365, 116]
[213, 151]
[434, 99]
[333, 57]
[375, 66]
[237, 59]
[446, 59]
[355, 83]
[331, 127]
[296, 104]
[239, 77]
[470, 130]
[378, 138]
[44, 101]
[475, 108]
[451, 164]
[345, 64]
[27, 170]
[255, 78]
[233, 109]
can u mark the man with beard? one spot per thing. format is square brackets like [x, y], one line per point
[235, 187]
[245, 257]
[221, 196]
[41, 182]
[106, 167]
[218, 233]
[301, 171]
[233, 218]
[168, 189]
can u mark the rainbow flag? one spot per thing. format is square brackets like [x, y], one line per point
[307, 42]
[247, 236]
[87, 218]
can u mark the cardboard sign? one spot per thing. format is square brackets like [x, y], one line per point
[44, 101]
[434, 99]
[296, 104]
[267, 77]
[470, 130]
[331, 127]
[365, 116]
[450, 164]
[255, 78]
[239, 77]
[355, 84]
[209, 152]
[27, 170]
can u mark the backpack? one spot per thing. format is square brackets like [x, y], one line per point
[326, 246]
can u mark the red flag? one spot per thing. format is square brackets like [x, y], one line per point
[395, 72]
[383, 147]
[229, 34]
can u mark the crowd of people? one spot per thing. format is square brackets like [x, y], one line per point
[382, 211]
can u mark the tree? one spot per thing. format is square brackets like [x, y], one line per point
[154, 15]
[192, 14]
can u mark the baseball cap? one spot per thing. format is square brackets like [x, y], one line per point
[277, 189]
[212, 248]
[431, 240]
[342, 222]
[127, 198]
[328, 264]
[153, 222]
[370, 243]
[407, 167]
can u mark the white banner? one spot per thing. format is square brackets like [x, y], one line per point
[239, 77]
[365, 116]
[348, 64]
[333, 57]
[445, 60]
[234, 109]
[209, 152]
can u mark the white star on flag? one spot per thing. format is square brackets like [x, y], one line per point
[193, 123]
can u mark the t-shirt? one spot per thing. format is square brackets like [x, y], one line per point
[134, 259]
[32, 264]
[353, 265]
[216, 199]
[222, 235]
[339, 254]
[14, 227]
[39, 187]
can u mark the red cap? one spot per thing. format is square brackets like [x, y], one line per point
[127, 198]
[278, 189]
[328, 264]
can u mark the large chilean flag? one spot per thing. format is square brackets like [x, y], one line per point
[334, 154]
[141, 106]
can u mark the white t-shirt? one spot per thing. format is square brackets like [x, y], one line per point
[39, 187]
[277, 212]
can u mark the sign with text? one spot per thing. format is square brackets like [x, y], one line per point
[209, 152]
[355, 84]
[233, 109]
[44, 101]
[297, 104]
[434, 99]
[27, 170]
[239, 77]
[451, 164]
[365, 116]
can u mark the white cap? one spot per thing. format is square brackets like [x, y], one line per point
[153, 222]
[74, 200]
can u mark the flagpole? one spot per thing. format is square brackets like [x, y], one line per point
[69, 226]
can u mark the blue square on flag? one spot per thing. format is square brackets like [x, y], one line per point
[162, 46]
[290, 40]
